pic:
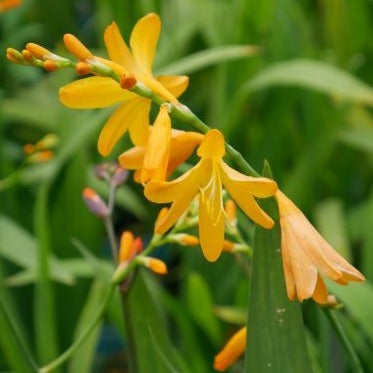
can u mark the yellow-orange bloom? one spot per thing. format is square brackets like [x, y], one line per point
[305, 253]
[99, 92]
[233, 349]
[162, 154]
[207, 179]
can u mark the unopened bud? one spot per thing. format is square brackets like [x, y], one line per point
[29, 149]
[83, 68]
[76, 47]
[48, 141]
[120, 176]
[8, 4]
[27, 55]
[14, 56]
[154, 264]
[231, 211]
[38, 51]
[228, 246]
[162, 213]
[95, 204]
[127, 81]
[126, 247]
[184, 239]
[40, 157]
[50, 65]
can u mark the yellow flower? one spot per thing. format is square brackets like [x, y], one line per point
[305, 253]
[206, 179]
[99, 92]
[233, 349]
[165, 150]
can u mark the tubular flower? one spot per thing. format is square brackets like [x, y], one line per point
[233, 349]
[305, 253]
[150, 167]
[99, 92]
[207, 179]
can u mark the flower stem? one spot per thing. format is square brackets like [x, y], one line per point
[109, 223]
[354, 359]
[66, 355]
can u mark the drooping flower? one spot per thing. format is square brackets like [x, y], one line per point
[233, 349]
[99, 92]
[305, 254]
[158, 159]
[207, 179]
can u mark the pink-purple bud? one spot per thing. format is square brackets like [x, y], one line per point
[95, 204]
[120, 176]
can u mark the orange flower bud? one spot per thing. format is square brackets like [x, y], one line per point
[228, 246]
[83, 68]
[9, 4]
[127, 81]
[27, 55]
[76, 47]
[14, 56]
[29, 148]
[38, 51]
[155, 265]
[95, 204]
[231, 211]
[50, 65]
[184, 239]
[162, 213]
[234, 348]
[40, 157]
[126, 247]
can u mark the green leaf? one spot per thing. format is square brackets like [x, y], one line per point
[20, 247]
[82, 359]
[201, 307]
[12, 341]
[358, 301]
[205, 58]
[150, 347]
[276, 335]
[315, 75]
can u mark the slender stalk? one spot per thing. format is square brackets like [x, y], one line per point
[66, 355]
[109, 223]
[354, 359]
[28, 357]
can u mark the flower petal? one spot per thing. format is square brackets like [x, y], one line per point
[139, 131]
[132, 159]
[211, 231]
[93, 92]
[176, 210]
[304, 271]
[258, 186]
[246, 201]
[286, 262]
[158, 148]
[128, 114]
[176, 84]
[182, 146]
[143, 40]
[118, 50]
[321, 292]
[165, 192]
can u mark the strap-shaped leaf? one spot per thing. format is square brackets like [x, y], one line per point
[149, 346]
[276, 334]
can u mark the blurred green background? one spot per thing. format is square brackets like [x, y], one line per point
[304, 103]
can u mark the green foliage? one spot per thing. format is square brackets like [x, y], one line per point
[303, 102]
